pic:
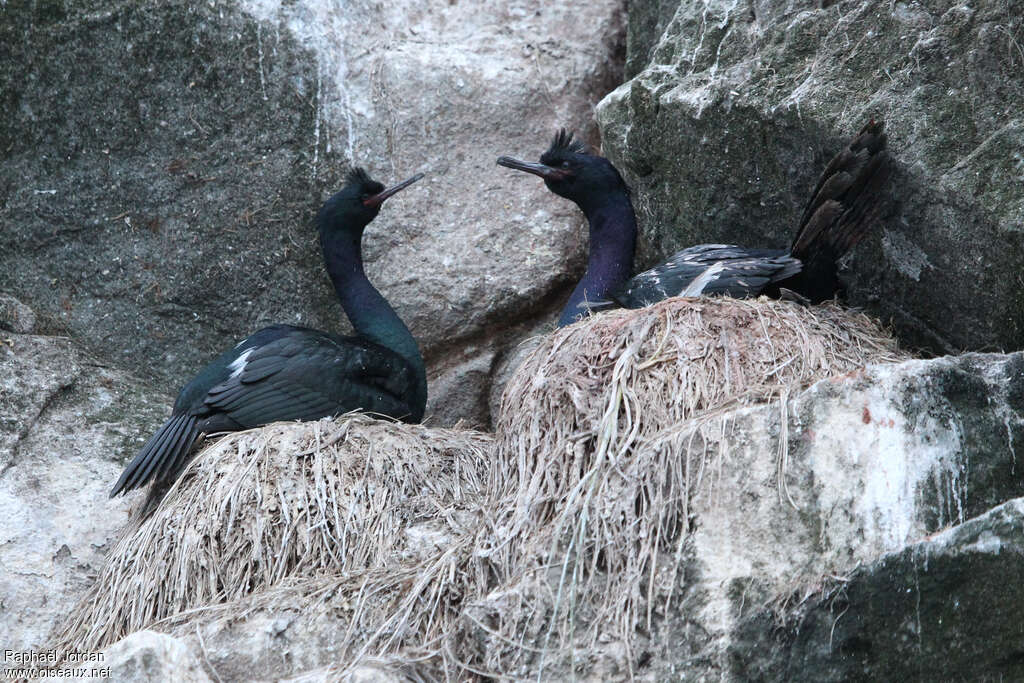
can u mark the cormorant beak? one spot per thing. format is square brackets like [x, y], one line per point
[543, 170]
[378, 199]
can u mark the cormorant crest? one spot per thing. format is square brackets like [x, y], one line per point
[563, 144]
[358, 175]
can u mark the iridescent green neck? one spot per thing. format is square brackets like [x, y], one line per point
[369, 312]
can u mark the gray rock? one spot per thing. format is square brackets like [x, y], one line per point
[374, 674]
[460, 389]
[646, 23]
[278, 644]
[164, 162]
[942, 609]
[736, 107]
[66, 423]
[16, 316]
[295, 637]
[152, 656]
[870, 464]
[145, 656]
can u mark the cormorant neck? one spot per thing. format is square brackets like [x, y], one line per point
[369, 312]
[612, 243]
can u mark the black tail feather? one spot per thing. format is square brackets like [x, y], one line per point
[868, 143]
[160, 453]
[850, 196]
[869, 204]
[163, 454]
[175, 457]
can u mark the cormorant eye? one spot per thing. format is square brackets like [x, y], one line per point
[565, 164]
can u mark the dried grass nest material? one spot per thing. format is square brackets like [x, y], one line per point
[564, 532]
[600, 441]
[617, 379]
[290, 499]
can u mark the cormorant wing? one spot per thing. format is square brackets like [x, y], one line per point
[306, 375]
[708, 269]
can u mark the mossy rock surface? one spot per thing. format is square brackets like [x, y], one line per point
[158, 185]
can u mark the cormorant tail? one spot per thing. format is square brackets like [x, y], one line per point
[849, 197]
[163, 454]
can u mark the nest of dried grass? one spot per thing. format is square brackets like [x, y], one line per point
[601, 442]
[619, 378]
[291, 499]
[569, 529]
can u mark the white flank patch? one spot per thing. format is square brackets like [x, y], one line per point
[238, 364]
[696, 287]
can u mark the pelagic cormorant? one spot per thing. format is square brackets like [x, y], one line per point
[846, 201]
[285, 372]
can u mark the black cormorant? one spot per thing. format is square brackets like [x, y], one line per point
[848, 198]
[285, 372]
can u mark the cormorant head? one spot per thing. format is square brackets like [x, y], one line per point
[358, 202]
[570, 171]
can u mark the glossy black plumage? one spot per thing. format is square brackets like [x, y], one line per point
[708, 269]
[284, 372]
[304, 374]
[848, 198]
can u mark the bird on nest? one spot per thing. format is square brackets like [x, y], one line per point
[847, 200]
[284, 372]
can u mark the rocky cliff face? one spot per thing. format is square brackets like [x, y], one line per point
[162, 164]
[66, 421]
[734, 108]
[853, 555]
[942, 607]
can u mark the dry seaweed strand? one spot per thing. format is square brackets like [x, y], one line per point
[570, 525]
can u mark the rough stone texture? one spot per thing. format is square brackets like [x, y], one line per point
[16, 316]
[736, 107]
[291, 639]
[459, 389]
[152, 656]
[66, 425]
[646, 23]
[947, 608]
[149, 656]
[789, 497]
[279, 642]
[875, 461]
[374, 674]
[164, 161]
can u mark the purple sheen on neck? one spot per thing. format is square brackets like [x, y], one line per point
[610, 263]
